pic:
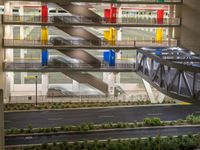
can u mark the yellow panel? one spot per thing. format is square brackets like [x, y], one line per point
[159, 35]
[107, 35]
[44, 35]
[110, 36]
[113, 36]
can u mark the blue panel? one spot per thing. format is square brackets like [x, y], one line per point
[106, 56]
[109, 57]
[45, 57]
[112, 58]
[159, 52]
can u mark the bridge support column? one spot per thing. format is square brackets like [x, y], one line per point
[154, 99]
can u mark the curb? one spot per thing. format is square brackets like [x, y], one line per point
[88, 108]
[105, 130]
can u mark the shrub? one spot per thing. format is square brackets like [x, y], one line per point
[193, 119]
[84, 127]
[152, 121]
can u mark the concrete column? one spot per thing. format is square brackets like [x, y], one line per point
[2, 82]
[177, 30]
[8, 78]
[2, 137]
[109, 78]
[75, 87]
[45, 82]
[118, 53]
[119, 38]
[2, 140]
[171, 15]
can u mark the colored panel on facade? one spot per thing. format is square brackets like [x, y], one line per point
[160, 0]
[159, 52]
[44, 39]
[113, 36]
[113, 14]
[45, 56]
[109, 57]
[159, 35]
[106, 56]
[160, 16]
[107, 35]
[112, 58]
[107, 15]
[44, 13]
[44, 35]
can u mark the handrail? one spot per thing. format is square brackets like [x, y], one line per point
[91, 43]
[117, 1]
[32, 65]
[61, 20]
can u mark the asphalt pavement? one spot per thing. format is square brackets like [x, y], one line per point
[128, 133]
[53, 118]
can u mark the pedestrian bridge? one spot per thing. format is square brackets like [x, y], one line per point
[173, 71]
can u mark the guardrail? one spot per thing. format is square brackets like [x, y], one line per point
[87, 43]
[113, 1]
[73, 66]
[62, 20]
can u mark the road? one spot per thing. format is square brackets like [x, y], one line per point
[74, 117]
[128, 133]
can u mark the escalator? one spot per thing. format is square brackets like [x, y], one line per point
[81, 77]
[76, 53]
[79, 10]
[81, 32]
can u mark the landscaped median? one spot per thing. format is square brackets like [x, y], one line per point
[148, 122]
[65, 105]
[189, 142]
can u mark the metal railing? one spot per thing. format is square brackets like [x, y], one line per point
[74, 66]
[116, 1]
[87, 43]
[153, 1]
[62, 20]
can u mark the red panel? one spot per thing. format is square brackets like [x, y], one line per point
[160, 15]
[107, 15]
[113, 14]
[44, 13]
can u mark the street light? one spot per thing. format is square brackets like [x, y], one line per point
[36, 77]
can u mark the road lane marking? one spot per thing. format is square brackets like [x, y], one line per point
[184, 103]
[155, 114]
[106, 116]
[28, 137]
[54, 119]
